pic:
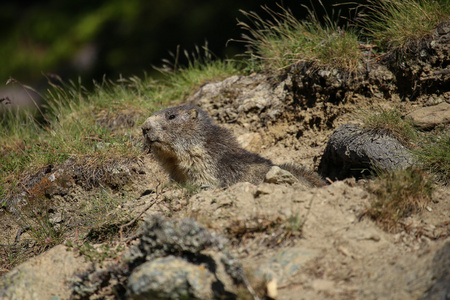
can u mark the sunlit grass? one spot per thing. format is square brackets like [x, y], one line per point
[395, 23]
[201, 68]
[283, 40]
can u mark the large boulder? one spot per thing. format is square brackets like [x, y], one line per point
[353, 151]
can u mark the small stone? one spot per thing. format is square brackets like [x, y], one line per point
[324, 73]
[52, 177]
[345, 251]
[271, 288]
[278, 175]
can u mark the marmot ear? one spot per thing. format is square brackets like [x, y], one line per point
[193, 113]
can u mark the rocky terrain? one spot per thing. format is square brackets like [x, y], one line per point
[282, 241]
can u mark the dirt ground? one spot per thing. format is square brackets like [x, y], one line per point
[337, 253]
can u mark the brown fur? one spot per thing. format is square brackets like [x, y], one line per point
[193, 149]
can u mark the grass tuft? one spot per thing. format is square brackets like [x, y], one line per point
[397, 195]
[396, 23]
[97, 254]
[389, 122]
[283, 41]
[434, 155]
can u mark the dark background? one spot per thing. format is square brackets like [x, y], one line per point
[93, 38]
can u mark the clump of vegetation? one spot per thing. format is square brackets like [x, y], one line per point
[43, 223]
[397, 195]
[389, 122]
[284, 41]
[33, 215]
[400, 193]
[395, 23]
[293, 227]
[434, 155]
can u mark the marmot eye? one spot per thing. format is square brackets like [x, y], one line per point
[171, 117]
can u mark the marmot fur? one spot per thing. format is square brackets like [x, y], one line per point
[193, 149]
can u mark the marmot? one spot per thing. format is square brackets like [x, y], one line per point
[193, 149]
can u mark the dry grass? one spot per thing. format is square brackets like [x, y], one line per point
[397, 195]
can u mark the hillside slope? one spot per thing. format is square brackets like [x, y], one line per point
[293, 242]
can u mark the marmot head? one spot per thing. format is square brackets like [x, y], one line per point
[175, 129]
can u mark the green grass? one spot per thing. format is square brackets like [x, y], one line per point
[283, 41]
[97, 254]
[395, 23]
[102, 215]
[34, 218]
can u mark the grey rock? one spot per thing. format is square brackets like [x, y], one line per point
[180, 259]
[163, 237]
[353, 151]
[175, 259]
[170, 278]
